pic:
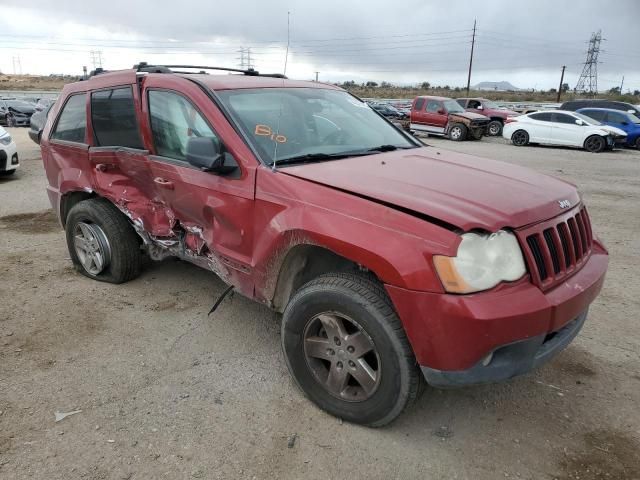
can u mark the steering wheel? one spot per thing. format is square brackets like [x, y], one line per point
[339, 137]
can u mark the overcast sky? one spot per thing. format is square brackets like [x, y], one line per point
[401, 41]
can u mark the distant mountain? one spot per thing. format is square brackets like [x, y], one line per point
[496, 86]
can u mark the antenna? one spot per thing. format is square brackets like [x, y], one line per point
[284, 75]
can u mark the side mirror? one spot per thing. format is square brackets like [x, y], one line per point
[624, 123]
[207, 154]
[441, 111]
[579, 122]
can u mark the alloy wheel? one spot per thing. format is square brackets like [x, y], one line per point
[92, 247]
[455, 133]
[342, 357]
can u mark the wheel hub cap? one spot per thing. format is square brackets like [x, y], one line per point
[342, 357]
[92, 247]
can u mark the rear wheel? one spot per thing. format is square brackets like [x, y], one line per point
[346, 349]
[494, 128]
[520, 138]
[458, 132]
[6, 173]
[595, 144]
[637, 144]
[102, 243]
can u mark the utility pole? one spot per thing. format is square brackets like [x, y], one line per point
[561, 81]
[621, 84]
[473, 41]
[317, 76]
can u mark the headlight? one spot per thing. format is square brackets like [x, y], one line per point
[6, 140]
[482, 262]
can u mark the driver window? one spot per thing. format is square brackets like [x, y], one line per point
[173, 120]
[433, 106]
[474, 104]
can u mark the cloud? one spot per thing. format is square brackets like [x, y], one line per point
[405, 42]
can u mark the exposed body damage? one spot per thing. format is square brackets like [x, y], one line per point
[343, 235]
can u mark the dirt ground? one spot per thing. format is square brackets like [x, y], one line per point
[167, 392]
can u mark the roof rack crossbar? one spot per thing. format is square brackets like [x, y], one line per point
[145, 67]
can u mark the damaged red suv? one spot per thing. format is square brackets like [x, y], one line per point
[390, 261]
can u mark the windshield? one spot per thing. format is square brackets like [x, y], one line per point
[587, 120]
[492, 105]
[452, 106]
[284, 123]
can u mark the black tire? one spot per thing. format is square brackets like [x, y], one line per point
[458, 132]
[125, 257]
[364, 300]
[11, 122]
[494, 128]
[595, 144]
[520, 138]
[637, 144]
[6, 173]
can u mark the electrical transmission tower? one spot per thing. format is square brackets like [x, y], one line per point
[17, 66]
[96, 58]
[588, 81]
[246, 62]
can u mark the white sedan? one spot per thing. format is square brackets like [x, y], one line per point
[561, 127]
[8, 154]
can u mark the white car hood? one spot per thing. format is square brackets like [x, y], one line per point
[613, 130]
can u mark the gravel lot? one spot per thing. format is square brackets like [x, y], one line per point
[167, 392]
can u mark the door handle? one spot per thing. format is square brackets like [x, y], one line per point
[163, 183]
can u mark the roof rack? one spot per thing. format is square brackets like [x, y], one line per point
[145, 67]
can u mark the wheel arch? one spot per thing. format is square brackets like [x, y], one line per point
[304, 262]
[69, 200]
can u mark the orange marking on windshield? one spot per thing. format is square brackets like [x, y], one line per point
[265, 131]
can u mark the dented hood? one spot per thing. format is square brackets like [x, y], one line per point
[462, 190]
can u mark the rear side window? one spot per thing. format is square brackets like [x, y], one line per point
[72, 121]
[595, 114]
[173, 120]
[462, 102]
[543, 116]
[562, 118]
[113, 116]
[433, 106]
[419, 104]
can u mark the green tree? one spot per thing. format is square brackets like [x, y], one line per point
[371, 84]
[565, 87]
[425, 85]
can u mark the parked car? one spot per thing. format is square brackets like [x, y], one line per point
[44, 103]
[497, 114]
[594, 103]
[9, 161]
[561, 128]
[625, 121]
[388, 259]
[444, 116]
[15, 113]
[38, 119]
[388, 111]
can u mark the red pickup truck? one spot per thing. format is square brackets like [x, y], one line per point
[443, 116]
[391, 262]
[498, 115]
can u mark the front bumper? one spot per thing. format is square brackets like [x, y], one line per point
[452, 334]
[9, 157]
[510, 360]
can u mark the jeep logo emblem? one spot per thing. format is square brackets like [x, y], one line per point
[564, 203]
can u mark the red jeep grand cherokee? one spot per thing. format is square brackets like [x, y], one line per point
[389, 260]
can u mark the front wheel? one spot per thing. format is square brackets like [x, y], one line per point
[595, 144]
[637, 144]
[458, 132]
[102, 243]
[520, 138]
[494, 128]
[347, 351]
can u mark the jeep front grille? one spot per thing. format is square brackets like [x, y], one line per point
[558, 247]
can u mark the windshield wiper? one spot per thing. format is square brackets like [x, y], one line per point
[319, 157]
[388, 148]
